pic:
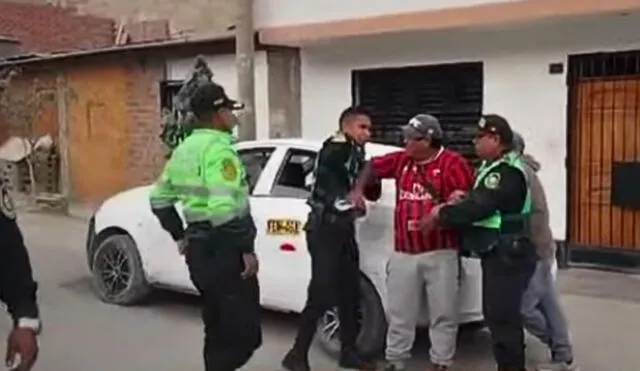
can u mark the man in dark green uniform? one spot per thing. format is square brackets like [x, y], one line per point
[494, 218]
[335, 268]
[206, 175]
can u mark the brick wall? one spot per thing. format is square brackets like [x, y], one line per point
[187, 17]
[46, 120]
[146, 154]
[126, 86]
[48, 28]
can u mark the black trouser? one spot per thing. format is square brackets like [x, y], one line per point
[231, 311]
[335, 279]
[504, 282]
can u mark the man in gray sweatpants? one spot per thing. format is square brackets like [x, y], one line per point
[543, 315]
[426, 174]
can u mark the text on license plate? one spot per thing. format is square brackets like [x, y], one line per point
[283, 227]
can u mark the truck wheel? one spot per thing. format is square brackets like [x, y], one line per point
[118, 276]
[373, 325]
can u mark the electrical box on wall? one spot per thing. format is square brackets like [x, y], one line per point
[556, 68]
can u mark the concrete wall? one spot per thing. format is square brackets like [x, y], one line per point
[290, 12]
[224, 73]
[517, 83]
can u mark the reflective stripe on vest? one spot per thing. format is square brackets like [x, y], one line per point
[199, 193]
[204, 191]
[192, 216]
[495, 221]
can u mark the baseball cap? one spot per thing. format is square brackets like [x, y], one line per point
[518, 142]
[423, 126]
[498, 125]
[211, 96]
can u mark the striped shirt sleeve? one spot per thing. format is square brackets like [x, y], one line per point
[385, 166]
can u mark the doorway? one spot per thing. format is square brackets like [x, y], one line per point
[604, 152]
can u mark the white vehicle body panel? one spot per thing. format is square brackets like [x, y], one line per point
[284, 272]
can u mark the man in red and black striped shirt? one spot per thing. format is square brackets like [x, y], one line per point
[426, 174]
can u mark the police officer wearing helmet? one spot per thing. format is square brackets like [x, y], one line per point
[17, 289]
[494, 217]
[330, 234]
[207, 176]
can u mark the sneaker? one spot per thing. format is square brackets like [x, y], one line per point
[394, 366]
[559, 366]
[295, 362]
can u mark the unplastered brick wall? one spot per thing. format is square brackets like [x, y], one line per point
[146, 153]
[186, 17]
[42, 27]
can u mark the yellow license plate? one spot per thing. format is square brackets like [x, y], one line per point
[283, 227]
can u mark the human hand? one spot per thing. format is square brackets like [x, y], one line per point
[182, 246]
[456, 196]
[251, 265]
[436, 210]
[22, 349]
[430, 221]
[356, 197]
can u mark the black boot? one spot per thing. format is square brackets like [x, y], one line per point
[351, 360]
[295, 361]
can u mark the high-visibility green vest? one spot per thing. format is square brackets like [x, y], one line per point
[495, 220]
[207, 176]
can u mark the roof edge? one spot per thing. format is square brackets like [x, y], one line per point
[220, 37]
[10, 40]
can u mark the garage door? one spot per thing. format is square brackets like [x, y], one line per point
[451, 92]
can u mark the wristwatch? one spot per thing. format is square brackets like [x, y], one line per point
[30, 323]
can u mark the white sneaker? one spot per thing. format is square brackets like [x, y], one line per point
[559, 366]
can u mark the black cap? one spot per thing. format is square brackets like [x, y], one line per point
[498, 125]
[212, 97]
[423, 127]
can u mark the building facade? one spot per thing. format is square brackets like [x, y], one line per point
[109, 101]
[565, 73]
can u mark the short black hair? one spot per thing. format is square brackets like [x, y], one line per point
[351, 111]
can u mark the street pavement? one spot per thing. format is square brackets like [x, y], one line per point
[83, 334]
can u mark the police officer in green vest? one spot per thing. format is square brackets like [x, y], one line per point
[207, 177]
[494, 219]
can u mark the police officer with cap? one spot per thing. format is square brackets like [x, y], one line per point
[494, 217]
[207, 176]
[17, 290]
[330, 233]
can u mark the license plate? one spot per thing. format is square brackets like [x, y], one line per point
[283, 227]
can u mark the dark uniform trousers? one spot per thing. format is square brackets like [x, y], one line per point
[335, 278]
[231, 311]
[504, 281]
